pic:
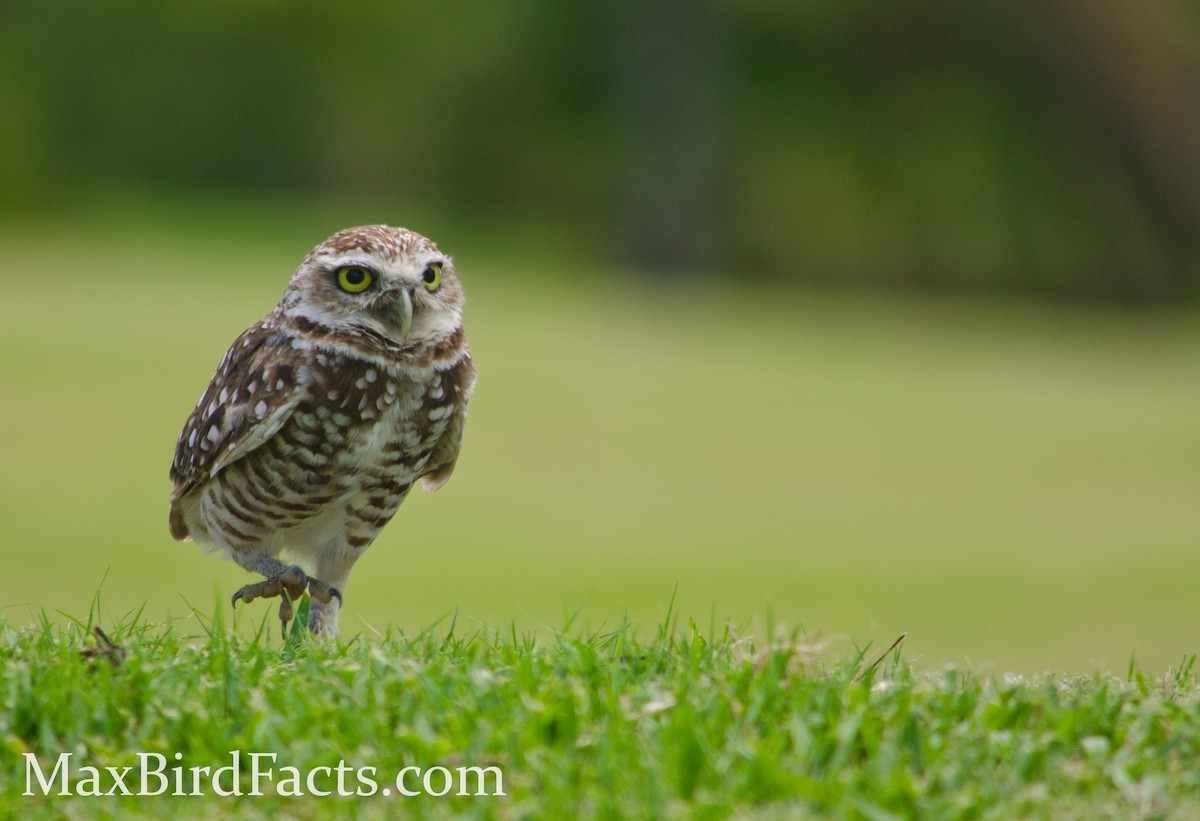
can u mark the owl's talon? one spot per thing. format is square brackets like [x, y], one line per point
[289, 586]
[286, 613]
[323, 592]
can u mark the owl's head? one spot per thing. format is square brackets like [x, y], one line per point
[391, 281]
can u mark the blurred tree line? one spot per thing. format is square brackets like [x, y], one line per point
[1035, 147]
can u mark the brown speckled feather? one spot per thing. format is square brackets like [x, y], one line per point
[250, 396]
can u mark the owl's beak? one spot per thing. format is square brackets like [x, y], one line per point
[402, 310]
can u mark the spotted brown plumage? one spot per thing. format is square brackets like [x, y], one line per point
[321, 417]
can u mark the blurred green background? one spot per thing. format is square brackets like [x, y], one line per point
[857, 318]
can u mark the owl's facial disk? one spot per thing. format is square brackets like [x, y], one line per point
[390, 281]
[401, 299]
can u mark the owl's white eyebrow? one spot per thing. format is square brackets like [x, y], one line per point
[343, 262]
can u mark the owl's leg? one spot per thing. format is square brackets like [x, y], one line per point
[333, 565]
[323, 605]
[288, 582]
[323, 617]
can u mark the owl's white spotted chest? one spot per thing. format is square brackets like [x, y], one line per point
[339, 467]
[363, 440]
[389, 418]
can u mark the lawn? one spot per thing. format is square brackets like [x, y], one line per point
[455, 722]
[1014, 485]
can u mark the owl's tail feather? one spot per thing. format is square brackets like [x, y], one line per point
[179, 529]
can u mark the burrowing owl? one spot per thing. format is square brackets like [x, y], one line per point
[321, 416]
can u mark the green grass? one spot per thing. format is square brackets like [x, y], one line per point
[1014, 485]
[589, 725]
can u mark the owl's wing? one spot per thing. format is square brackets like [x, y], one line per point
[253, 392]
[445, 450]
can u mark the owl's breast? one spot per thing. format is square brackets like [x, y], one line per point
[385, 421]
[342, 462]
[377, 432]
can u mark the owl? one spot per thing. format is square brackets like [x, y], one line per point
[321, 417]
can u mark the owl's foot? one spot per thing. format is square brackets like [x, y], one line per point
[289, 586]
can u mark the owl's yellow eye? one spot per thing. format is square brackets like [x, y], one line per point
[432, 276]
[354, 279]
